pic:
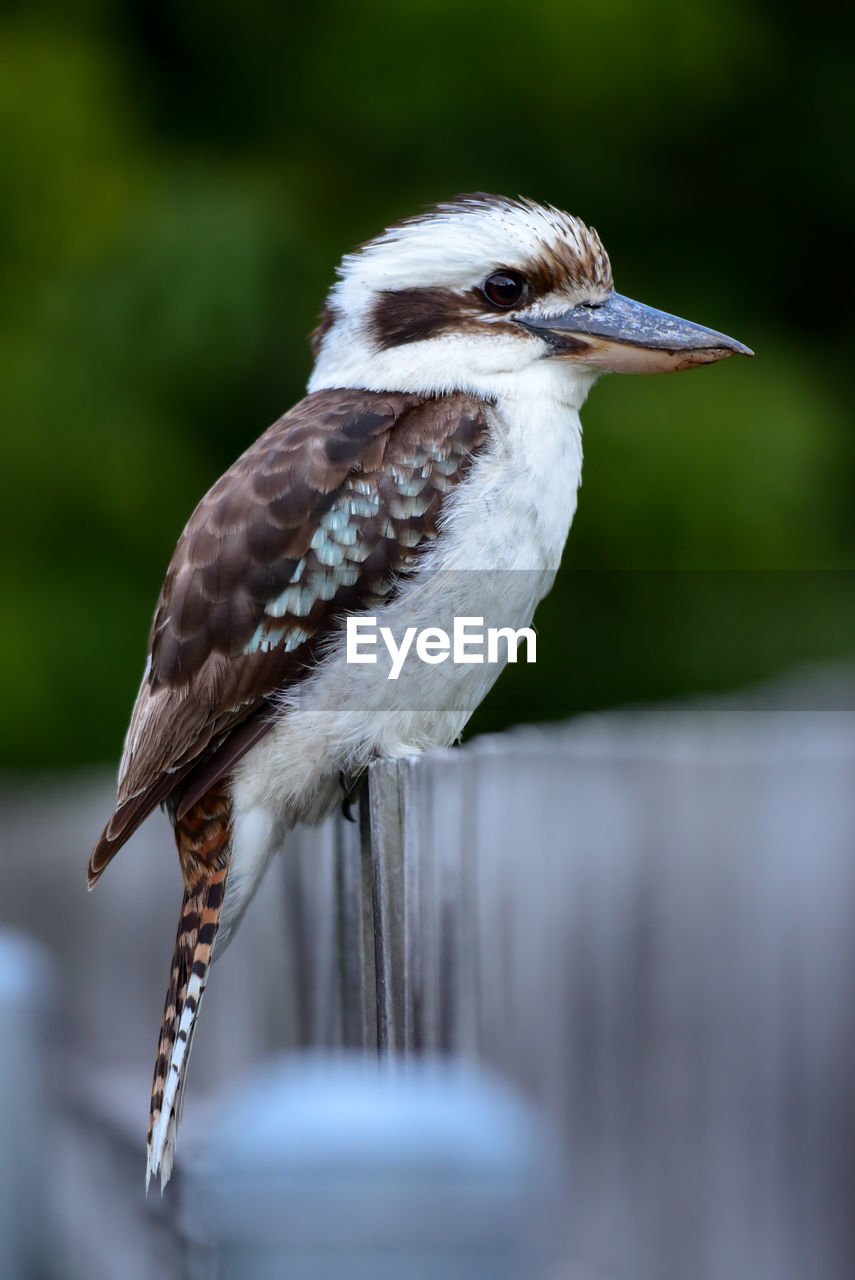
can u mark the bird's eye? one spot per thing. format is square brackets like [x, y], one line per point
[504, 288]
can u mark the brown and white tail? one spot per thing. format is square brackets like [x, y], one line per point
[203, 836]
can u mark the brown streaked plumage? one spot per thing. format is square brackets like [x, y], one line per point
[203, 837]
[247, 542]
[202, 834]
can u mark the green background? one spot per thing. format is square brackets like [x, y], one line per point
[178, 182]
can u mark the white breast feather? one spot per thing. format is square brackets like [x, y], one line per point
[506, 527]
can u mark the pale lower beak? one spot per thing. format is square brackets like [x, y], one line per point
[628, 337]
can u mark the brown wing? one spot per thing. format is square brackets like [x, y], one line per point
[317, 518]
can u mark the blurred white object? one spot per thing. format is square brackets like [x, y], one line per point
[328, 1168]
[25, 997]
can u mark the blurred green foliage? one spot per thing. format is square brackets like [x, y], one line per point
[178, 183]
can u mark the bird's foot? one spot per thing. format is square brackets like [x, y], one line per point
[351, 784]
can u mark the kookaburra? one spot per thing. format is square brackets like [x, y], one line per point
[431, 471]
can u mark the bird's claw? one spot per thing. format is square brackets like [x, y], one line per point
[351, 785]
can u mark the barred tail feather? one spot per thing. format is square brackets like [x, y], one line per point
[197, 929]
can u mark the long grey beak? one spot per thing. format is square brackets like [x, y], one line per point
[628, 337]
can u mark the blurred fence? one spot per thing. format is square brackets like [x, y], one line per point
[649, 924]
[646, 922]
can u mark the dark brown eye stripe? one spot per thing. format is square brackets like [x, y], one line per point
[401, 316]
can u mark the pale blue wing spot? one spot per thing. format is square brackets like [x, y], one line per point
[405, 508]
[358, 484]
[296, 599]
[319, 537]
[358, 553]
[411, 487]
[327, 587]
[330, 554]
[347, 536]
[262, 641]
[295, 638]
[337, 518]
[363, 505]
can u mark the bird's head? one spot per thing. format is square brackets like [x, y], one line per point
[484, 294]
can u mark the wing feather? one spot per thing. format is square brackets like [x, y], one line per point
[318, 517]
